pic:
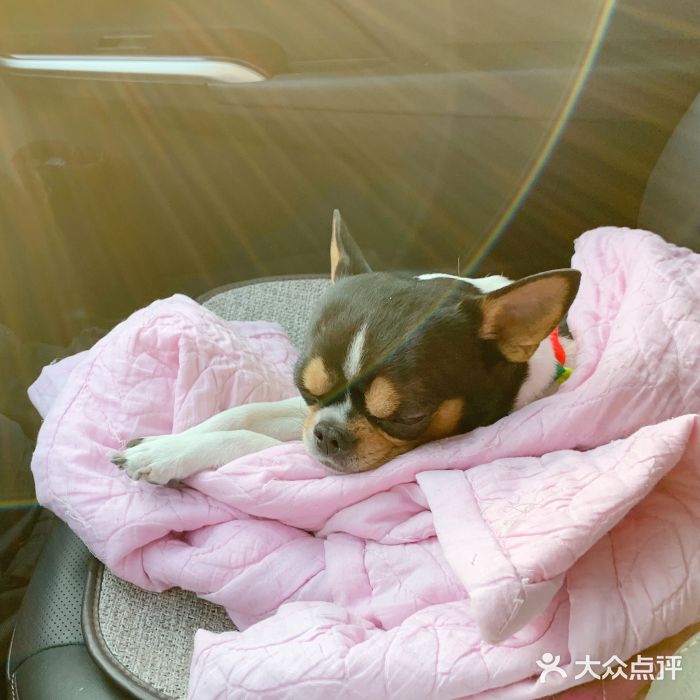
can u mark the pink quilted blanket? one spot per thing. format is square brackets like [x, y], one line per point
[569, 527]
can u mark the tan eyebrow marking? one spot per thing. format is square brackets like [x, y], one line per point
[381, 398]
[316, 377]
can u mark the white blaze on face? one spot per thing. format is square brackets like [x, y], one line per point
[335, 413]
[353, 359]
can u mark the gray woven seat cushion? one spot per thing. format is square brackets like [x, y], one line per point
[150, 635]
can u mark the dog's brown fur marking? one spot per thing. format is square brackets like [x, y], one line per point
[374, 446]
[445, 420]
[381, 398]
[316, 377]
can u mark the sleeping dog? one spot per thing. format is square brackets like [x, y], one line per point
[392, 361]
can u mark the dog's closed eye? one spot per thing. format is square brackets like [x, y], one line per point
[405, 427]
[411, 418]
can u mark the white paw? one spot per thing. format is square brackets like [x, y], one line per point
[158, 460]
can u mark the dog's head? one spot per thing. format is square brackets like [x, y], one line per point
[393, 361]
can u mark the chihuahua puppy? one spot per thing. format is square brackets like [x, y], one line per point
[392, 361]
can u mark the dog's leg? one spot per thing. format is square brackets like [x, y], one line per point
[227, 435]
[174, 457]
[282, 420]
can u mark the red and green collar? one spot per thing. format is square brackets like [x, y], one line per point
[562, 372]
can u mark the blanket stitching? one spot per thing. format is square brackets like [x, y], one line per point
[520, 600]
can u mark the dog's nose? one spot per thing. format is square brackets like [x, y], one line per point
[331, 439]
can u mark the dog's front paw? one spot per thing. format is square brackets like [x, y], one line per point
[157, 460]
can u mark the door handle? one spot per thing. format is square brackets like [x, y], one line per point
[197, 69]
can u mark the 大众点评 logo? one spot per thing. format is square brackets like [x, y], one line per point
[646, 668]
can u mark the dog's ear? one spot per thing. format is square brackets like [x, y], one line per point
[520, 316]
[346, 257]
